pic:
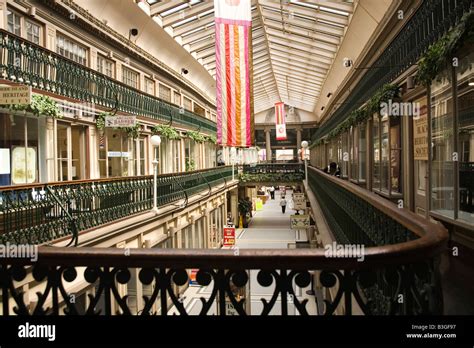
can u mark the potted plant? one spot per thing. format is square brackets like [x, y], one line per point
[245, 210]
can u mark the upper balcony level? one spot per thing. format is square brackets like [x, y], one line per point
[27, 63]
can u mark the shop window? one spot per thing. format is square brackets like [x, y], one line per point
[344, 159]
[139, 156]
[113, 154]
[442, 125]
[19, 149]
[176, 145]
[387, 155]
[190, 158]
[362, 149]
[465, 86]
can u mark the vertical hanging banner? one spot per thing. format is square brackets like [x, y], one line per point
[235, 121]
[280, 121]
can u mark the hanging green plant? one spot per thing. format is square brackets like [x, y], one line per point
[436, 57]
[190, 165]
[133, 131]
[166, 131]
[41, 105]
[196, 136]
[211, 139]
[100, 120]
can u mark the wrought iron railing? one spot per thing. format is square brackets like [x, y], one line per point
[39, 213]
[27, 63]
[398, 274]
[358, 217]
[272, 173]
[431, 21]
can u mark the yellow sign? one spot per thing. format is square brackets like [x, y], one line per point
[15, 95]
[420, 131]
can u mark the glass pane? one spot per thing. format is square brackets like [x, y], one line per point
[395, 155]
[362, 152]
[465, 83]
[62, 144]
[384, 158]
[442, 142]
[377, 169]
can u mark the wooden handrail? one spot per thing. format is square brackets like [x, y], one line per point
[432, 236]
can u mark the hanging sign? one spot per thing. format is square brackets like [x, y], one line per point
[120, 121]
[15, 95]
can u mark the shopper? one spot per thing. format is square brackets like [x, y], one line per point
[283, 204]
[272, 192]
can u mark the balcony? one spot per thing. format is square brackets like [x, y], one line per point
[270, 174]
[26, 63]
[400, 262]
[40, 213]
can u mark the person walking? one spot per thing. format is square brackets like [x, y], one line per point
[272, 192]
[283, 204]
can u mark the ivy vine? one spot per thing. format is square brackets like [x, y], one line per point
[41, 105]
[436, 57]
[383, 95]
[211, 139]
[166, 131]
[196, 136]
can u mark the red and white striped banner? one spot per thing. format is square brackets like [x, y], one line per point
[234, 117]
[280, 121]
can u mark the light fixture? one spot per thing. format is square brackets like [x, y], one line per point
[132, 32]
[155, 140]
[470, 82]
[347, 62]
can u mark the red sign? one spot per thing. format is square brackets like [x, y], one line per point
[229, 236]
[280, 121]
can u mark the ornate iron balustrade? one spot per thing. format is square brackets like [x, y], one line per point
[272, 173]
[431, 21]
[359, 217]
[403, 268]
[39, 213]
[24, 62]
[398, 275]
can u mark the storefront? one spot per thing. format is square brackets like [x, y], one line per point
[22, 148]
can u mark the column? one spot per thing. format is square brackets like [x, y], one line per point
[298, 142]
[268, 145]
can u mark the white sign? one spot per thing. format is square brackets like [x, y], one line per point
[4, 161]
[299, 201]
[15, 95]
[299, 222]
[120, 121]
[117, 154]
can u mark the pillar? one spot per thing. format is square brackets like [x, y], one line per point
[298, 142]
[268, 145]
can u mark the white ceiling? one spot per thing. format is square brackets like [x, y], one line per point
[294, 43]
